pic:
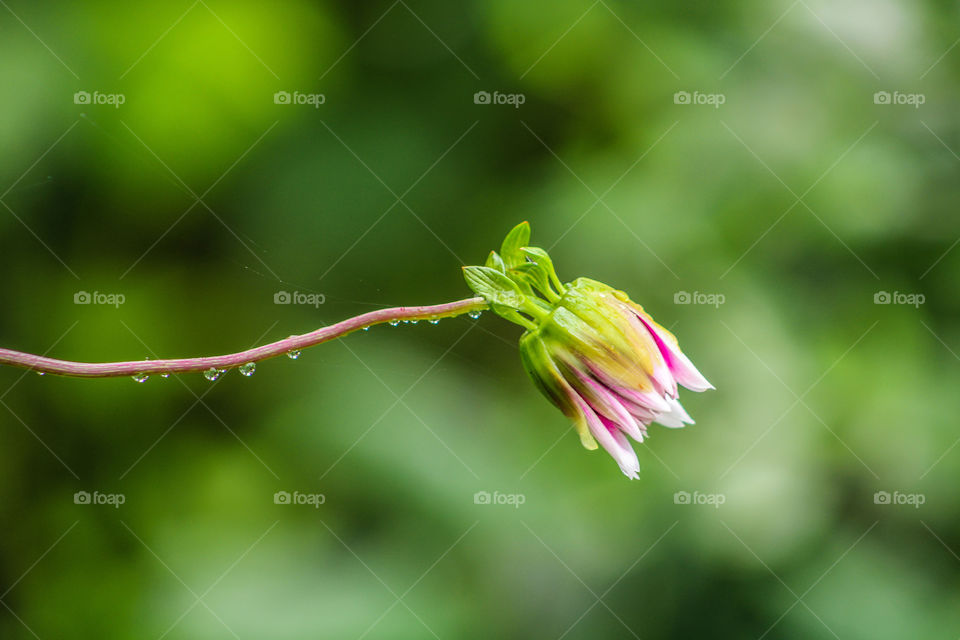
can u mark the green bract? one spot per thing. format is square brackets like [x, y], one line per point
[519, 282]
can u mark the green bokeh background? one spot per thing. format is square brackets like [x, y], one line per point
[797, 200]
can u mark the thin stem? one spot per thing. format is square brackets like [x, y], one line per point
[516, 318]
[537, 308]
[41, 364]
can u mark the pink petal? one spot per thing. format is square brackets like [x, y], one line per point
[676, 417]
[632, 471]
[683, 370]
[679, 411]
[650, 400]
[669, 420]
[607, 405]
[612, 440]
[663, 378]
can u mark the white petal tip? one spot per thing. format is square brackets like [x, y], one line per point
[698, 386]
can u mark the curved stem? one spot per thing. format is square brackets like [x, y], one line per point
[41, 364]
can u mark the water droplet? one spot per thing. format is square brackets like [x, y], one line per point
[248, 369]
[212, 374]
[140, 377]
[366, 328]
[164, 375]
[434, 320]
[414, 321]
[474, 314]
[293, 354]
[41, 373]
[394, 323]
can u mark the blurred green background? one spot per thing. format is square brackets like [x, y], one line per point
[732, 155]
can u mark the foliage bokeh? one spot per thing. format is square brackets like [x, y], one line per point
[198, 199]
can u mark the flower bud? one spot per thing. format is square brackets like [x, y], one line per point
[595, 354]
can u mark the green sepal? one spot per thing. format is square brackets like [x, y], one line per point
[539, 365]
[533, 275]
[494, 287]
[494, 261]
[538, 361]
[542, 258]
[518, 238]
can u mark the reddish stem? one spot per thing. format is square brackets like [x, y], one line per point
[41, 364]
